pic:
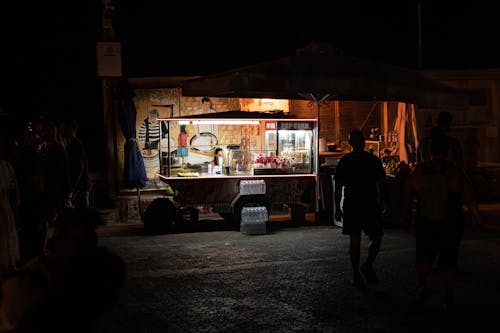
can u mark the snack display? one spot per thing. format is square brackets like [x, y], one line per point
[399, 168]
[188, 174]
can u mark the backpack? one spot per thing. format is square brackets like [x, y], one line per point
[433, 197]
[160, 216]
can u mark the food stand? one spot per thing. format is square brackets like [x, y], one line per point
[269, 161]
[320, 75]
[314, 78]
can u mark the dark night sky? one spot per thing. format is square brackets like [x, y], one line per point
[52, 44]
[205, 39]
[48, 47]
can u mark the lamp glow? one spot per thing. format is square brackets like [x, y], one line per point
[219, 122]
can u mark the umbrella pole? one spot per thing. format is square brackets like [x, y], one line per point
[312, 97]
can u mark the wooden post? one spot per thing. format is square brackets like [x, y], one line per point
[109, 117]
[419, 14]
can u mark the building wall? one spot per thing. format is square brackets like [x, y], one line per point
[338, 118]
[193, 105]
[483, 116]
[478, 126]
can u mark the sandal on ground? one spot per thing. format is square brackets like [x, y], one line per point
[357, 282]
[369, 273]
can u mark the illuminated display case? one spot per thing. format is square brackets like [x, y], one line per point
[292, 143]
[249, 147]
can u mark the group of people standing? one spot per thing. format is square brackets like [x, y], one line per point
[54, 275]
[438, 187]
[43, 171]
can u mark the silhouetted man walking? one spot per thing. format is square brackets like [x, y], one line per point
[357, 176]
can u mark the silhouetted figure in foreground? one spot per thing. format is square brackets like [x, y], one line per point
[29, 168]
[9, 203]
[78, 165]
[440, 188]
[89, 286]
[357, 177]
[66, 289]
[455, 152]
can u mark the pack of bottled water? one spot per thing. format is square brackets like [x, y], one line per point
[253, 186]
[254, 220]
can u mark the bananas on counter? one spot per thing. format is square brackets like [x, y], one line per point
[188, 174]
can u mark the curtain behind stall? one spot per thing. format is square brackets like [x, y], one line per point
[413, 130]
[406, 128]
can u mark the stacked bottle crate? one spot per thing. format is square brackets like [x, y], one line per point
[255, 186]
[254, 220]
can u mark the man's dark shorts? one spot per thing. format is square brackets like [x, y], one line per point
[366, 219]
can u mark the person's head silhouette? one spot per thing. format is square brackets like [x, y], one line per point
[444, 120]
[357, 140]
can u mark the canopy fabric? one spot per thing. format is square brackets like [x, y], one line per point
[322, 73]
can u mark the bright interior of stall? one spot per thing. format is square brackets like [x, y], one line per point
[391, 131]
[245, 145]
[390, 128]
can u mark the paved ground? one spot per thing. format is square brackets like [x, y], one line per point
[293, 279]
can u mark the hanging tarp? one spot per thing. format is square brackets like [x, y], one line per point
[134, 172]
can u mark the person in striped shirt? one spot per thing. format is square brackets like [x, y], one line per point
[149, 131]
